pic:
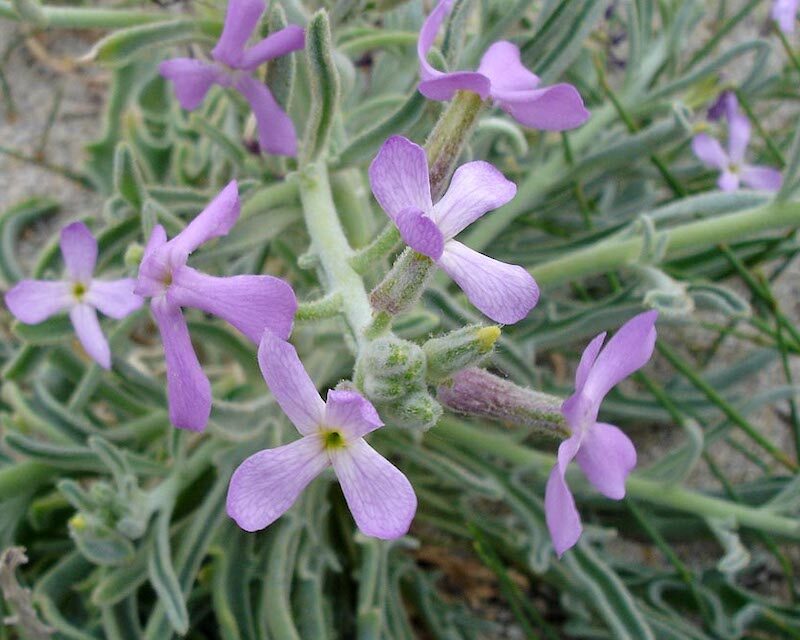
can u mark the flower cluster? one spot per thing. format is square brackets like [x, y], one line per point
[262, 307]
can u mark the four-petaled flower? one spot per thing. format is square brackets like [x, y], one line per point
[250, 303]
[501, 77]
[33, 301]
[784, 12]
[731, 164]
[267, 483]
[233, 66]
[399, 179]
[605, 454]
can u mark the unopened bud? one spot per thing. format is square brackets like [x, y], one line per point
[477, 392]
[133, 255]
[458, 350]
[418, 410]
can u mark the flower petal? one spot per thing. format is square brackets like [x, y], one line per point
[738, 137]
[275, 45]
[504, 292]
[114, 298]
[476, 187]
[502, 65]
[351, 413]
[784, 12]
[155, 265]
[627, 351]
[212, 222]
[399, 177]
[380, 497]
[758, 177]
[191, 78]
[188, 388]
[249, 303]
[276, 134]
[87, 326]
[79, 249]
[420, 232]
[728, 181]
[33, 301]
[561, 514]
[289, 382]
[588, 357]
[709, 151]
[606, 457]
[241, 19]
[555, 108]
[267, 483]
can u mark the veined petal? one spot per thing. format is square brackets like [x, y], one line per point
[34, 301]
[561, 514]
[627, 351]
[427, 35]
[709, 151]
[188, 388]
[728, 180]
[351, 413]
[502, 65]
[276, 134]
[280, 43]
[241, 19]
[79, 249]
[758, 177]
[476, 187]
[606, 457]
[588, 357]
[212, 222]
[555, 108]
[504, 292]
[267, 483]
[87, 327]
[738, 137]
[114, 298]
[249, 303]
[289, 382]
[399, 177]
[380, 497]
[420, 233]
[191, 78]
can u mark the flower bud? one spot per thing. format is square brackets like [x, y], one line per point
[458, 350]
[419, 411]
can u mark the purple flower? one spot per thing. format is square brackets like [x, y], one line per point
[784, 13]
[731, 164]
[33, 301]
[501, 77]
[267, 483]
[233, 66]
[604, 453]
[249, 303]
[399, 179]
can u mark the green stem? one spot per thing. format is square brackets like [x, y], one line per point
[86, 18]
[382, 245]
[672, 497]
[24, 475]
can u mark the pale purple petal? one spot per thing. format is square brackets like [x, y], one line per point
[351, 413]
[79, 249]
[114, 298]
[289, 383]
[188, 388]
[87, 326]
[476, 187]
[399, 177]
[738, 137]
[191, 78]
[276, 134]
[555, 108]
[502, 65]
[784, 12]
[427, 35]
[758, 177]
[606, 457]
[249, 303]
[504, 292]
[267, 483]
[155, 265]
[561, 514]
[157, 239]
[241, 19]
[33, 301]
[380, 497]
[420, 232]
[588, 357]
[728, 181]
[627, 351]
[212, 222]
[709, 151]
[280, 43]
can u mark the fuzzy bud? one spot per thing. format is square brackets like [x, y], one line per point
[458, 350]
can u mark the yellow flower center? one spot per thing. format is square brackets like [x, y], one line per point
[333, 439]
[78, 289]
